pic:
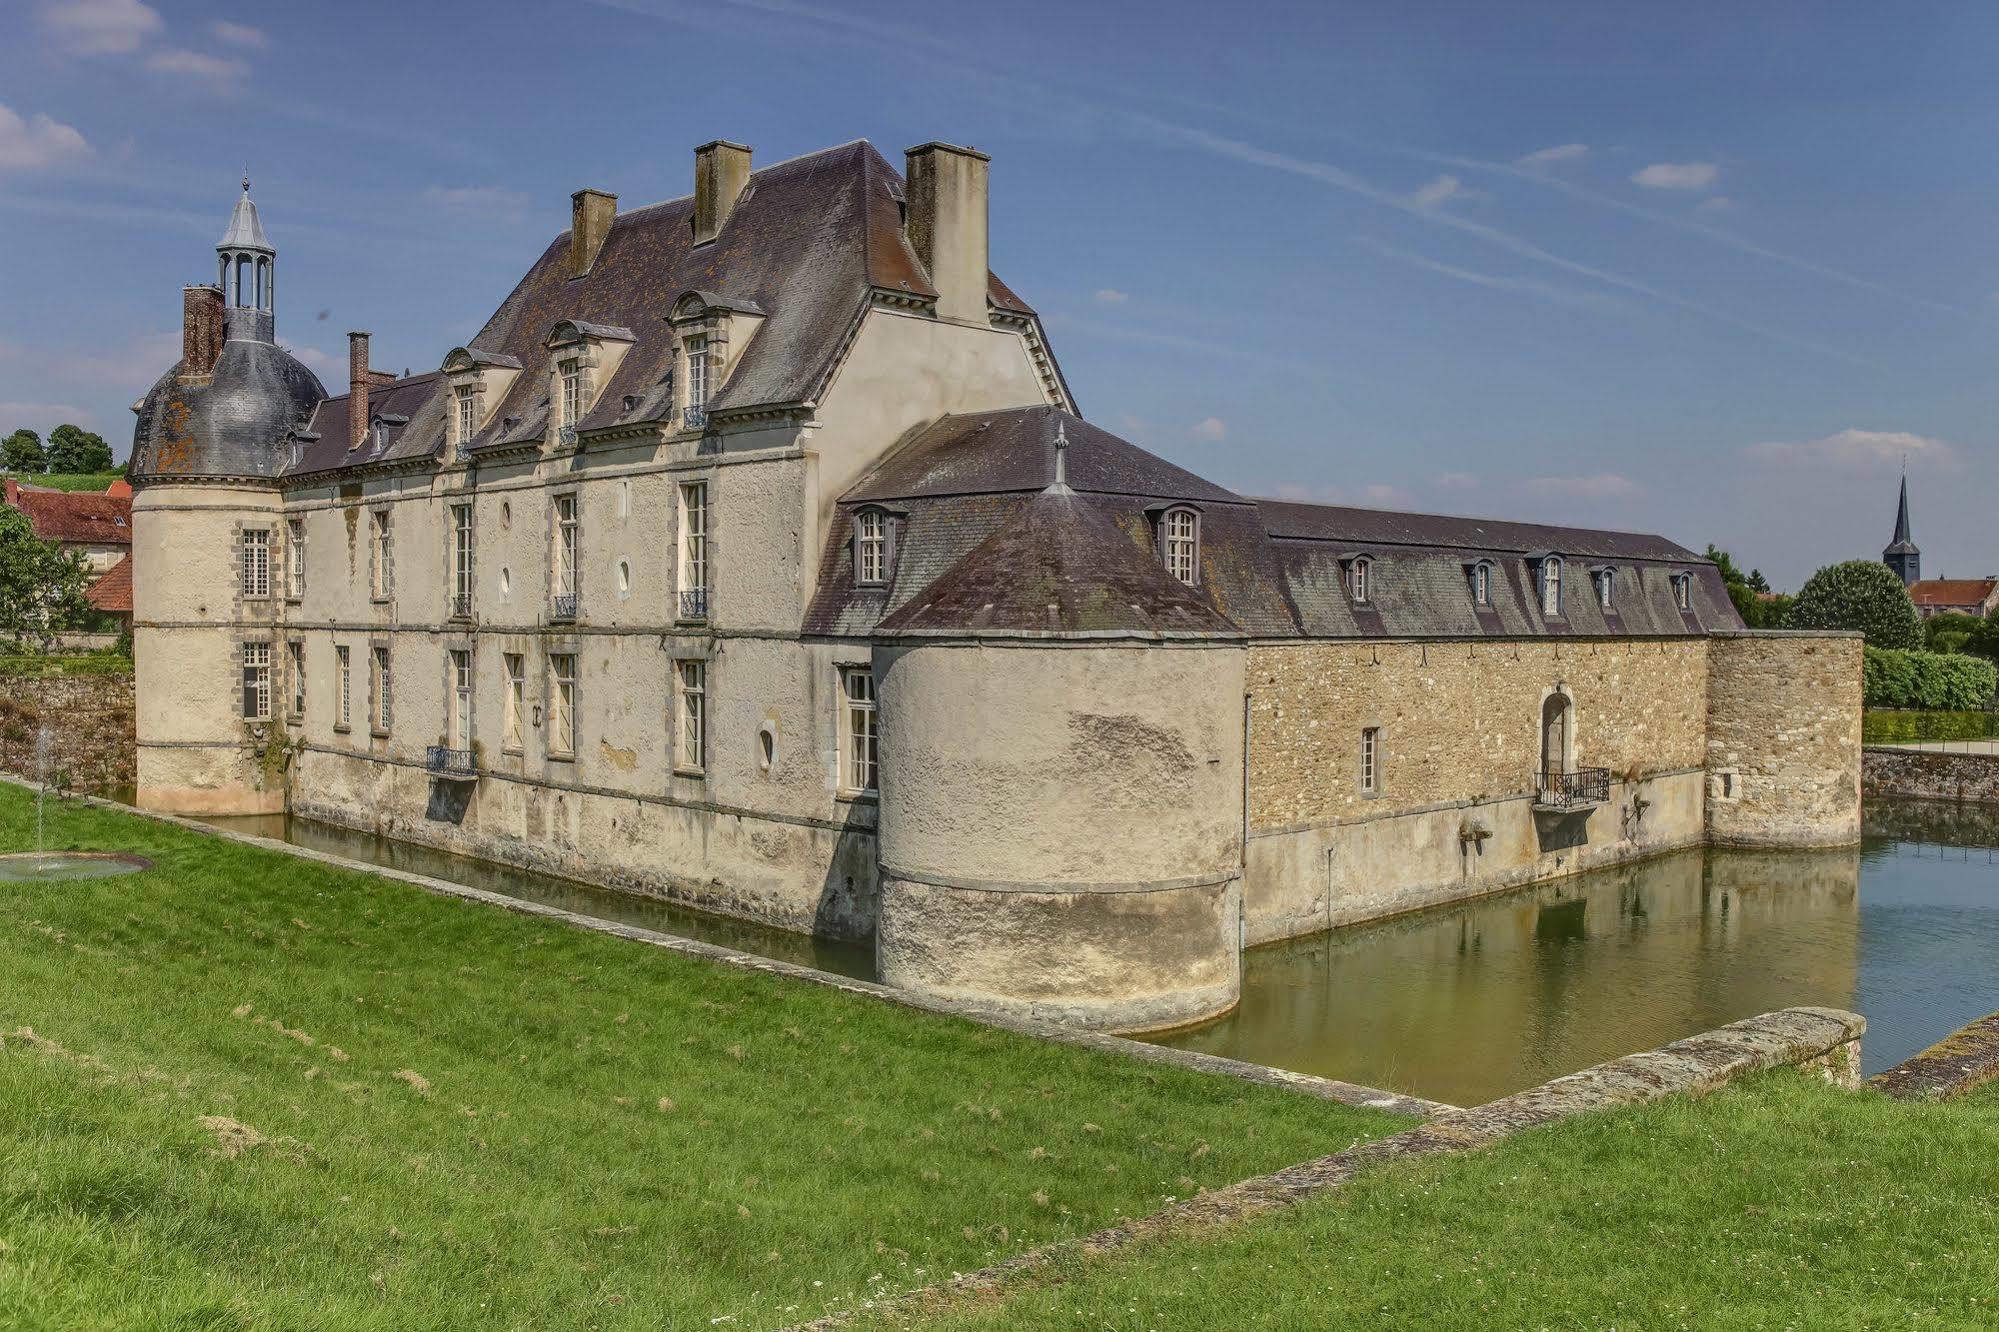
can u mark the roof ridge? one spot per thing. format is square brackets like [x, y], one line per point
[636, 209]
[1454, 517]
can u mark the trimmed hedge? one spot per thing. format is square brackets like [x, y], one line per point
[1859, 594]
[1882, 726]
[1947, 681]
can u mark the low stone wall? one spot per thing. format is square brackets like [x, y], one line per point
[1929, 774]
[91, 724]
[1964, 1061]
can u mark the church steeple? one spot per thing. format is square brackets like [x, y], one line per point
[1902, 555]
[246, 270]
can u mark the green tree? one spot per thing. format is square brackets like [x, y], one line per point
[41, 584]
[1949, 631]
[22, 452]
[1863, 595]
[1745, 589]
[76, 450]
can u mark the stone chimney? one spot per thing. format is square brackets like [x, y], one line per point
[946, 199]
[200, 330]
[358, 382]
[590, 215]
[721, 170]
[12, 490]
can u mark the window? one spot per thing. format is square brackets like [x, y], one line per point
[384, 713]
[458, 726]
[468, 415]
[517, 698]
[694, 550]
[1606, 590]
[562, 579]
[295, 558]
[562, 703]
[343, 671]
[693, 715]
[1180, 544]
[1551, 585]
[256, 562]
[461, 559]
[571, 372]
[1481, 583]
[1370, 760]
[1360, 577]
[1683, 591]
[697, 381]
[857, 729]
[256, 682]
[870, 546]
[382, 569]
[295, 654]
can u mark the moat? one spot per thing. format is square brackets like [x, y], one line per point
[1471, 1002]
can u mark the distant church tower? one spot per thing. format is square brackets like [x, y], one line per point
[1902, 555]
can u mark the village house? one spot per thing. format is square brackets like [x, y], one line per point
[755, 554]
[96, 525]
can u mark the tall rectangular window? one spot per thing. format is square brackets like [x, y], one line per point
[256, 682]
[468, 415]
[517, 698]
[697, 381]
[295, 558]
[1605, 591]
[694, 550]
[870, 546]
[567, 530]
[1481, 584]
[343, 672]
[1181, 539]
[562, 703]
[1551, 586]
[572, 393]
[693, 714]
[1370, 759]
[857, 730]
[295, 660]
[458, 725]
[382, 563]
[256, 562]
[461, 559]
[384, 712]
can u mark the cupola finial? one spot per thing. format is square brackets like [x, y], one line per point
[1061, 453]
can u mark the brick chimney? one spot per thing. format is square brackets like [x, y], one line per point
[12, 489]
[721, 170]
[358, 381]
[200, 330]
[590, 215]
[946, 198]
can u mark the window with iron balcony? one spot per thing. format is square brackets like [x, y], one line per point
[694, 550]
[695, 411]
[562, 583]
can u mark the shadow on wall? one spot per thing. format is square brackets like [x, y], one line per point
[849, 895]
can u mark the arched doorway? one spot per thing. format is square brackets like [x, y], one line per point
[1554, 739]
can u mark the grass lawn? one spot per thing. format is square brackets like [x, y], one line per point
[66, 480]
[1776, 1203]
[266, 1093]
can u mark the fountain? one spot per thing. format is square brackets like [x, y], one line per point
[42, 866]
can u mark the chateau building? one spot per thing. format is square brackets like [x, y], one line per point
[754, 554]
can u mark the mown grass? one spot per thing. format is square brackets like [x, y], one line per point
[266, 1093]
[67, 480]
[104, 661]
[1777, 1203]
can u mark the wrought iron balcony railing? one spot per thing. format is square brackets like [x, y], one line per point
[566, 437]
[562, 606]
[448, 762]
[1579, 788]
[461, 606]
[694, 603]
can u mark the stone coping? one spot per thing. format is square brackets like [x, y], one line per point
[1328, 1089]
[1826, 1040]
[1963, 1061]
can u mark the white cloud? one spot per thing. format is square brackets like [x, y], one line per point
[318, 360]
[134, 365]
[1720, 203]
[1111, 296]
[1603, 485]
[1547, 157]
[1524, 286]
[1211, 428]
[1858, 448]
[1457, 481]
[99, 27]
[42, 417]
[1128, 424]
[218, 72]
[1677, 176]
[1434, 193]
[239, 34]
[475, 198]
[38, 141]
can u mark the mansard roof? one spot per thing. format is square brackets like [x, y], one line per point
[806, 244]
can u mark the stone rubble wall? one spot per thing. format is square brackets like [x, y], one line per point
[91, 721]
[1916, 774]
[1783, 739]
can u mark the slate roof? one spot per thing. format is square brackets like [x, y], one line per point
[1951, 591]
[113, 592]
[965, 499]
[78, 518]
[233, 424]
[398, 403]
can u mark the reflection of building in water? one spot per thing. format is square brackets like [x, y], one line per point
[1475, 1001]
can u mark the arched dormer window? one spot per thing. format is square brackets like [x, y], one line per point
[1180, 543]
[1360, 579]
[711, 331]
[1549, 574]
[1604, 580]
[1683, 591]
[874, 546]
[584, 359]
[1478, 575]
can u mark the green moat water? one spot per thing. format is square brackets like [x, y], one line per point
[1474, 1001]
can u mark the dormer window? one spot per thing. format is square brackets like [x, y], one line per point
[468, 414]
[1604, 581]
[571, 372]
[1479, 576]
[871, 547]
[1683, 591]
[1180, 544]
[696, 411]
[1551, 585]
[1360, 579]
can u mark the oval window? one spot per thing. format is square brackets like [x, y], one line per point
[506, 515]
[766, 746]
[624, 577]
[506, 581]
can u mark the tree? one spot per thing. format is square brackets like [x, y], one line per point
[41, 584]
[1949, 631]
[73, 449]
[1863, 595]
[1744, 590]
[22, 452]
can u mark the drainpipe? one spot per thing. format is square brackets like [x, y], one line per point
[1242, 867]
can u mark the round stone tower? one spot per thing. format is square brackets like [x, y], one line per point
[213, 435]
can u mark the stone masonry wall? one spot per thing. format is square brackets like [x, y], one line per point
[1929, 775]
[90, 719]
[1783, 743]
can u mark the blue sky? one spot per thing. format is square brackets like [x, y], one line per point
[1701, 269]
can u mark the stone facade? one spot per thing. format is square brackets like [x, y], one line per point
[1932, 774]
[91, 722]
[1783, 742]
